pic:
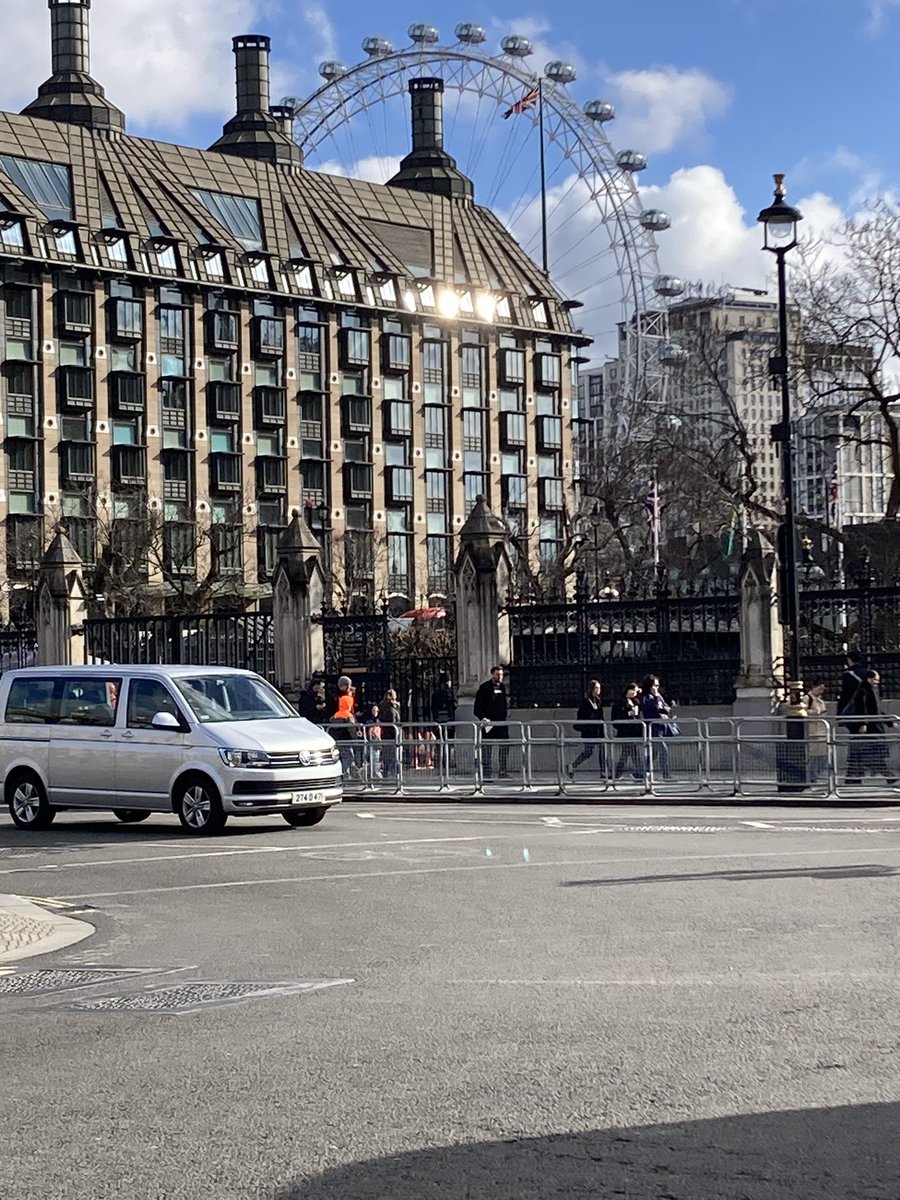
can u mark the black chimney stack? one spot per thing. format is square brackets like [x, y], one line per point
[429, 168]
[70, 94]
[255, 132]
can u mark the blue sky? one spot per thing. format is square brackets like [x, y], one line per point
[719, 93]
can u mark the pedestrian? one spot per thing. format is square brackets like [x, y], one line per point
[589, 724]
[312, 703]
[852, 676]
[491, 709]
[389, 713]
[872, 756]
[657, 713]
[344, 728]
[626, 722]
[443, 713]
[817, 731]
[372, 726]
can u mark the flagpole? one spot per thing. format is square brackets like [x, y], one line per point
[544, 243]
[656, 522]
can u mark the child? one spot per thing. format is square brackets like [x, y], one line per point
[373, 737]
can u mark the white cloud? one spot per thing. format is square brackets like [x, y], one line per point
[163, 62]
[373, 169]
[661, 107]
[322, 29]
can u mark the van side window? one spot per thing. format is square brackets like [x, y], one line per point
[30, 702]
[146, 698]
[89, 701]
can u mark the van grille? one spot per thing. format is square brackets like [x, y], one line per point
[272, 787]
[317, 758]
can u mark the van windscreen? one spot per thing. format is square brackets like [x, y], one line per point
[214, 698]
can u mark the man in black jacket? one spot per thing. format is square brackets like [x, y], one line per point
[492, 709]
[443, 714]
[853, 675]
[312, 703]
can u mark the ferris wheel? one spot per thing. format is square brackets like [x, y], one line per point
[602, 247]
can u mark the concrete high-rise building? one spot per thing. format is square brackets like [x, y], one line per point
[194, 343]
[722, 381]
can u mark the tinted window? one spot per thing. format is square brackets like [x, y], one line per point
[146, 698]
[89, 701]
[30, 701]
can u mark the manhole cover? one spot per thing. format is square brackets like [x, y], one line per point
[57, 980]
[187, 997]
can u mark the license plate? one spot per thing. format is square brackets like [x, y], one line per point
[307, 797]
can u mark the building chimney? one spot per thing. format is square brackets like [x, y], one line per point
[255, 132]
[284, 118]
[70, 94]
[429, 168]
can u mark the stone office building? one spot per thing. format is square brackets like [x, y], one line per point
[195, 343]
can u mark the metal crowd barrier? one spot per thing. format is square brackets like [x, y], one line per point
[715, 757]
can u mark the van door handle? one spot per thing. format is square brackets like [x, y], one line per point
[107, 733]
[128, 734]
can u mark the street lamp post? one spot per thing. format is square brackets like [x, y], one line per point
[779, 222]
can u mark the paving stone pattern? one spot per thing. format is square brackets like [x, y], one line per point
[18, 932]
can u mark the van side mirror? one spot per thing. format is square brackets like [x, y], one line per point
[164, 720]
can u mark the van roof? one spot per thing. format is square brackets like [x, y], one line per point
[104, 669]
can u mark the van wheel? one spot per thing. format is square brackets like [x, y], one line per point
[306, 816]
[199, 807]
[28, 804]
[130, 816]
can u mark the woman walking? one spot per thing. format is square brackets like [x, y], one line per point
[657, 713]
[589, 723]
[627, 723]
[389, 713]
[817, 731]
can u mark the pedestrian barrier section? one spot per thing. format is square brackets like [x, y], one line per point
[816, 757]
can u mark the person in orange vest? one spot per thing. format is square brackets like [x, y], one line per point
[343, 726]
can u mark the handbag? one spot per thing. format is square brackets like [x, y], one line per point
[670, 729]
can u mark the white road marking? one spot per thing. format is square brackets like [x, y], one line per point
[366, 816]
[551, 821]
[759, 824]
[493, 865]
[250, 850]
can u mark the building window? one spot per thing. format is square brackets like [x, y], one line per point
[475, 484]
[354, 347]
[172, 341]
[240, 216]
[436, 491]
[127, 320]
[512, 367]
[400, 418]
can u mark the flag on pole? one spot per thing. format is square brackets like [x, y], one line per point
[732, 530]
[834, 495]
[527, 102]
[651, 504]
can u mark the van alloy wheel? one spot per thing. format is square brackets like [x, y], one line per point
[28, 804]
[200, 809]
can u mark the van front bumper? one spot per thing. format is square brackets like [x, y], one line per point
[251, 794]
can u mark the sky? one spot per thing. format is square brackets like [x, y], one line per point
[719, 94]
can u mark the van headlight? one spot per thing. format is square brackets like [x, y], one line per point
[245, 758]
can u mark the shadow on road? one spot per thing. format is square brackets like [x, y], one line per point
[847, 1153]
[851, 871]
[93, 832]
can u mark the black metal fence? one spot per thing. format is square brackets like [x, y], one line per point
[18, 648]
[835, 619]
[379, 652]
[691, 640]
[244, 640]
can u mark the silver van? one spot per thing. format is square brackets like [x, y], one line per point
[204, 742]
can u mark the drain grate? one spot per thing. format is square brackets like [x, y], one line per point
[58, 979]
[188, 997]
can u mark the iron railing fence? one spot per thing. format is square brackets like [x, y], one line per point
[712, 758]
[242, 640]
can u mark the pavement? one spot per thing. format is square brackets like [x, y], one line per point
[414, 1001]
[27, 930]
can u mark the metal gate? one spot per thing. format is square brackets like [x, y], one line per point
[243, 640]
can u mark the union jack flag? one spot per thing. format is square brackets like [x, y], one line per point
[528, 101]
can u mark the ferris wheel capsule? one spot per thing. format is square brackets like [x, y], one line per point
[631, 160]
[671, 354]
[516, 46]
[423, 35]
[471, 35]
[560, 72]
[332, 70]
[599, 110]
[377, 47]
[668, 285]
[655, 219]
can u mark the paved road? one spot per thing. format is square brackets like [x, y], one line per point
[472, 1002]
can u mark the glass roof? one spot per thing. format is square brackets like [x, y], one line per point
[240, 216]
[48, 184]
